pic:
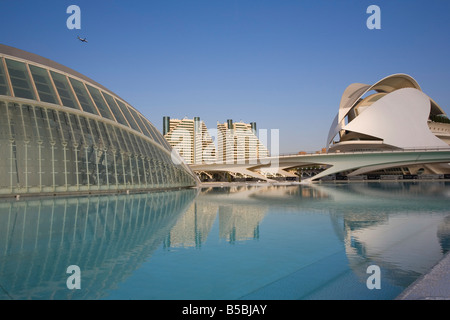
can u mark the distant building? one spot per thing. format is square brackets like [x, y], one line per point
[191, 139]
[238, 143]
[235, 142]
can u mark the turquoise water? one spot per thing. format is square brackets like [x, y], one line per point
[248, 242]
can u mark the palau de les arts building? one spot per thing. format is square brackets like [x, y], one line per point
[394, 114]
[63, 133]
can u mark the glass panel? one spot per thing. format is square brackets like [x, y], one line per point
[78, 138]
[111, 136]
[129, 143]
[145, 148]
[88, 138]
[145, 125]
[128, 116]
[97, 138]
[157, 137]
[43, 84]
[122, 145]
[119, 170]
[4, 90]
[56, 150]
[64, 91]
[26, 118]
[19, 79]
[83, 96]
[104, 134]
[52, 119]
[88, 152]
[100, 103]
[115, 109]
[137, 146]
[65, 126]
[137, 118]
[43, 158]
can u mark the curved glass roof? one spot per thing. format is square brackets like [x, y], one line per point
[29, 76]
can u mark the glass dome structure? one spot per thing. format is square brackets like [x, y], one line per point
[61, 132]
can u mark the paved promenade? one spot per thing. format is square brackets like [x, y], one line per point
[435, 285]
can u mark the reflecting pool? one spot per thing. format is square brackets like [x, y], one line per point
[239, 242]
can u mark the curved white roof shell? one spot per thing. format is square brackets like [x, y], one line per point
[399, 119]
[395, 115]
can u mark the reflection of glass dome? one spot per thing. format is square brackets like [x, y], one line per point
[63, 132]
[107, 236]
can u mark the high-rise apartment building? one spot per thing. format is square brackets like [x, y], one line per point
[238, 143]
[235, 142]
[191, 139]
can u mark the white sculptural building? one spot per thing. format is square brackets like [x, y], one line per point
[392, 114]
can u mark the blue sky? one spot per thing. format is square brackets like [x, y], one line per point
[281, 63]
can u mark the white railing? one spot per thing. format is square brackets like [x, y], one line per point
[317, 153]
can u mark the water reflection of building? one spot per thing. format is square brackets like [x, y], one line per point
[385, 225]
[239, 223]
[404, 245]
[378, 223]
[192, 229]
[236, 223]
[238, 215]
[108, 237]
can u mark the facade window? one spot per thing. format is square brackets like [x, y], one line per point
[127, 114]
[20, 80]
[137, 119]
[100, 103]
[4, 89]
[64, 90]
[43, 84]
[115, 109]
[83, 96]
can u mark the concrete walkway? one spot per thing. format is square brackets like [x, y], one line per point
[435, 285]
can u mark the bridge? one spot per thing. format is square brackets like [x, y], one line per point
[351, 163]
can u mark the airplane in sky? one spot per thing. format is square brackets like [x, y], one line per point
[82, 39]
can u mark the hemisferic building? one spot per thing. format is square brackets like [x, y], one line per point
[63, 133]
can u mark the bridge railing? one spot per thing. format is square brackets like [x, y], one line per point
[273, 160]
[416, 149]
